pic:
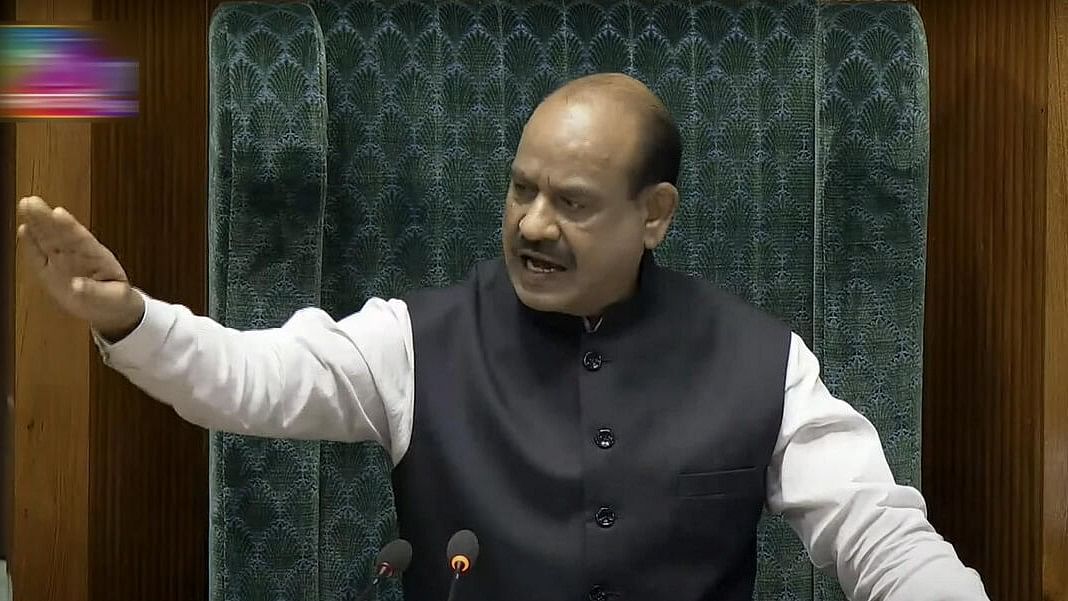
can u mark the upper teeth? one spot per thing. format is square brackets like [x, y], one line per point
[540, 266]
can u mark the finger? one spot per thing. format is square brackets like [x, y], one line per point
[39, 216]
[77, 240]
[35, 258]
[31, 204]
[33, 207]
[62, 232]
[68, 232]
[26, 208]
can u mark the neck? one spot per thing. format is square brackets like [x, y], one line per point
[624, 295]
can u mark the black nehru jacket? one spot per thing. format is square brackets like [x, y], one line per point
[624, 463]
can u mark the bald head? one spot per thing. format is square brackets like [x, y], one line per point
[658, 143]
[618, 85]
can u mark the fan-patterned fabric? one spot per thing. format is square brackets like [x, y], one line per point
[361, 148]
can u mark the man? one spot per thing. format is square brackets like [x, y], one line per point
[609, 429]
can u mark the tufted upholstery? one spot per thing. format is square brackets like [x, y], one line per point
[360, 148]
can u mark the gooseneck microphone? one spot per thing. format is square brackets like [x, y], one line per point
[391, 561]
[462, 553]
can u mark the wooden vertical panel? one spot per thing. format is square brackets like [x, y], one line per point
[50, 539]
[984, 377]
[7, 278]
[52, 353]
[1055, 426]
[149, 490]
[7, 361]
[996, 390]
[111, 486]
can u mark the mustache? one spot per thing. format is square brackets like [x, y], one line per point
[550, 250]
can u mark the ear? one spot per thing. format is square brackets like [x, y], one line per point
[660, 202]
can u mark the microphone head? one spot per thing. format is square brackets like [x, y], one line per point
[463, 551]
[396, 556]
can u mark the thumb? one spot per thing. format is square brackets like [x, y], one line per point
[96, 296]
[113, 308]
[83, 287]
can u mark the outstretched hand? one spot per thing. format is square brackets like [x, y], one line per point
[80, 273]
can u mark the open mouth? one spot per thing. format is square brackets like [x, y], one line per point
[540, 265]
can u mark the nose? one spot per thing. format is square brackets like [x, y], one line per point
[539, 222]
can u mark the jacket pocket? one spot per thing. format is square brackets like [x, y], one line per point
[715, 512]
[740, 482]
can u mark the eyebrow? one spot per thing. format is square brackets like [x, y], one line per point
[572, 189]
[518, 173]
[576, 190]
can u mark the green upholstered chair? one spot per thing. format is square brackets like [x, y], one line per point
[361, 148]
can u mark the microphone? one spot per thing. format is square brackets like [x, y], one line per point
[390, 562]
[462, 553]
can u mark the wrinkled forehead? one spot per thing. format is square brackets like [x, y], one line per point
[593, 138]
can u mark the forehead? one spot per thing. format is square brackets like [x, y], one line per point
[588, 139]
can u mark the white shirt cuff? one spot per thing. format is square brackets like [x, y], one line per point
[138, 347]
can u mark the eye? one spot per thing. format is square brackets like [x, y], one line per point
[570, 203]
[521, 188]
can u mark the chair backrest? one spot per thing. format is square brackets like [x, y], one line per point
[361, 148]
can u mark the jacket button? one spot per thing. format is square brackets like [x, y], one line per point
[592, 360]
[605, 438]
[606, 516]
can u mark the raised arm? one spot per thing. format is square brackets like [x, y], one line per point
[312, 378]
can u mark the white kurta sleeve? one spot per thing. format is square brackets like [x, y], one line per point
[312, 378]
[830, 479]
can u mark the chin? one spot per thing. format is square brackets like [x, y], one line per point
[541, 301]
[552, 299]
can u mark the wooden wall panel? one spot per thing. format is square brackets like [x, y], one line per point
[110, 494]
[7, 324]
[50, 552]
[7, 356]
[992, 325]
[149, 490]
[51, 412]
[1055, 427]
